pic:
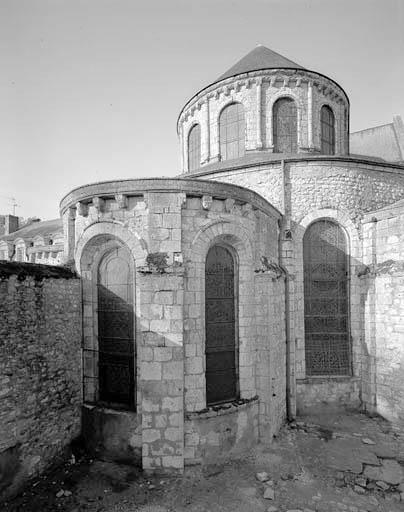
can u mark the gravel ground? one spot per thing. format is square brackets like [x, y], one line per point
[311, 466]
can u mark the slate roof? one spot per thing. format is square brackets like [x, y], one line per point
[42, 228]
[259, 58]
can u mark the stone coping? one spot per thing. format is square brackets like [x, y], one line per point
[38, 271]
[221, 409]
[192, 187]
[261, 158]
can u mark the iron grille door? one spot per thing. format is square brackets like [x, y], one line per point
[116, 329]
[326, 302]
[220, 346]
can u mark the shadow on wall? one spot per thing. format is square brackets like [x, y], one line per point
[336, 355]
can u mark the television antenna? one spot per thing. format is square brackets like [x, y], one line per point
[13, 202]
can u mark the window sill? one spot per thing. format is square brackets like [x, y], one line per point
[327, 378]
[109, 408]
[222, 409]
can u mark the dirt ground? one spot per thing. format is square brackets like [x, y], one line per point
[326, 462]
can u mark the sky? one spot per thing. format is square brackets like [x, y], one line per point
[90, 90]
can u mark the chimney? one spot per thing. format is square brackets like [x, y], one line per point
[11, 224]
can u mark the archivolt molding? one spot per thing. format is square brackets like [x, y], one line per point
[285, 92]
[226, 231]
[339, 216]
[127, 237]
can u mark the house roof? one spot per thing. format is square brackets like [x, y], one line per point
[259, 58]
[42, 228]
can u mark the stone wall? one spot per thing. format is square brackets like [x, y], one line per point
[214, 435]
[168, 226]
[258, 91]
[383, 299]
[385, 141]
[341, 189]
[40, 368]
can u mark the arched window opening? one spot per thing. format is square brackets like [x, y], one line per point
[232, 131]
[327, 131]
[194, 148]
[285, 126]
[116, 353]
[220, 323]
[326, 300]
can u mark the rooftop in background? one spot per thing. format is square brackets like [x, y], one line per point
[42, 228]
[259, 58]
[386, 141]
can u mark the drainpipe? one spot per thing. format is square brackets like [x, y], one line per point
[290, 374]
[289, 412]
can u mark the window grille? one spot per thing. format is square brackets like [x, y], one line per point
[285, 126]
[232, 132]
[116, 356]
[327, 131]
[326, 303]
[194, 148]
[220, 324]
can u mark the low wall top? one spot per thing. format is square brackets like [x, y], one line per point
[39, 272]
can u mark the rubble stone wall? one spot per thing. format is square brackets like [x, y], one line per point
[307, 189]
[40, 368]
[383, 299]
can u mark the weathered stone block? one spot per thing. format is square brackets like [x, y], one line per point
[151, 371]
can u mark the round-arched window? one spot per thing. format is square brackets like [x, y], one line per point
[232, 131]
[326, 300]
[327, 131]
[194, 148]
[285, 126]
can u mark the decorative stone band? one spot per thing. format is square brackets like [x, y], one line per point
[391, 267]
[271, 268]
[254, 160]
[275, 77]
[95, 194]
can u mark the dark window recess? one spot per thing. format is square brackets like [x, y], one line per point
[326, 304]
[116, 330]
[220, 321]
[285, 126]
[194, 148]
[327, 131]
[232, 132]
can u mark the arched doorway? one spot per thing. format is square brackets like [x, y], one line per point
[220, 324]
[326, 300]
[115, 320]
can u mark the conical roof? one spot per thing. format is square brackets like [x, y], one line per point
[259, 58]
